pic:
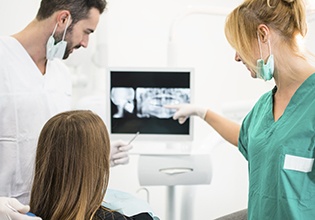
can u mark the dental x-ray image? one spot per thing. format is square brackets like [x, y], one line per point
[137, 98]
[150, 101]
[123, 98]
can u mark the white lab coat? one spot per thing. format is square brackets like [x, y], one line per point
[27, 100]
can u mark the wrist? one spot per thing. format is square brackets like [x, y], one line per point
[205, 115]
[202, 112]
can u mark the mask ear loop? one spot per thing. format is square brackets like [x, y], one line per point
[260, 50]
[54, 29]
[269, 46]
[259, 43]
[67, 25]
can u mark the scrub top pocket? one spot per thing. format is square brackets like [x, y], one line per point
[297, 175]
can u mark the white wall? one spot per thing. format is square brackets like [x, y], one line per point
[135, 34]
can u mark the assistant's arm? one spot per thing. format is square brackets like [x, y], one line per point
[227, 128]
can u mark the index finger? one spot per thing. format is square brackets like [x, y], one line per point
[171, 106]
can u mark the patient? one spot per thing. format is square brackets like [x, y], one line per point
[72, 169]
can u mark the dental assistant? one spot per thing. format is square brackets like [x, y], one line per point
[35, 84]
[277, 137]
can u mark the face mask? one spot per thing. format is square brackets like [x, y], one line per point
[265, 71]
[56, 50]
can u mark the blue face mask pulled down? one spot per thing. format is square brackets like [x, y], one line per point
[56, 50]
[265, 71]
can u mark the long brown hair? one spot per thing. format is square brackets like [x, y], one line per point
[72, 167]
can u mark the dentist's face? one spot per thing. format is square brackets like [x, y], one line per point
[78, 34]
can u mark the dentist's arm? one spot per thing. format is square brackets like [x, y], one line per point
[227, 128]
[12, 209]
[119, 152]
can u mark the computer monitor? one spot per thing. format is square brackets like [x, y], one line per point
[136, 97]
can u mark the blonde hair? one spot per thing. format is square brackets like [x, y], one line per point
[286, 17]
[72, 167]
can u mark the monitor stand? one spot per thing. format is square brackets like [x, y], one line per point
[172, 171]
[170, 203]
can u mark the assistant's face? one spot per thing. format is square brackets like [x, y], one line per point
[238, 58]
[250, 63]
[78, 34]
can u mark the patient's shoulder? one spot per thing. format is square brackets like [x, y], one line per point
[106, 214]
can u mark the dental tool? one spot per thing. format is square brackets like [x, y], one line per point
[132, 139]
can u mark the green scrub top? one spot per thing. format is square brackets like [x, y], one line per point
[280, 157]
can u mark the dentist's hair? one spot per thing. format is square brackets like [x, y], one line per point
[79, 9]
[285, 17]
[71, 167]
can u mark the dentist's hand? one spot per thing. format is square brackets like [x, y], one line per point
[7, 207]
[184, 111]
[119, 152]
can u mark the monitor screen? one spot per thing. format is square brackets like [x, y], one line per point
[136, 102]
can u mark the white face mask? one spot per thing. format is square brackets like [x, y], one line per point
[56, 50]
[265, 71]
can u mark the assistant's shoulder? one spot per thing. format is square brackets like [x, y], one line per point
[266, 97]
[264, 100]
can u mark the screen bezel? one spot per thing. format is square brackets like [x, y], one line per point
[149, 137]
